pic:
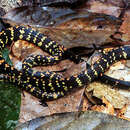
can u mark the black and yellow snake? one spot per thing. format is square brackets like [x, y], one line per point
[50, 85]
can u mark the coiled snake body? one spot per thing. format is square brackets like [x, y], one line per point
[50, 85]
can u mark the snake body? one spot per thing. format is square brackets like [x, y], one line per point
[51, 85]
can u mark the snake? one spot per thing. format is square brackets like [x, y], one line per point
[49, 85]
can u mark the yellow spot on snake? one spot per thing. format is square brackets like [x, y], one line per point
[125, 55]
[20, 36]
[43, 39]
[22, 31]
[55, 96]
[32, 89]
[2, 61]
[39, 44]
